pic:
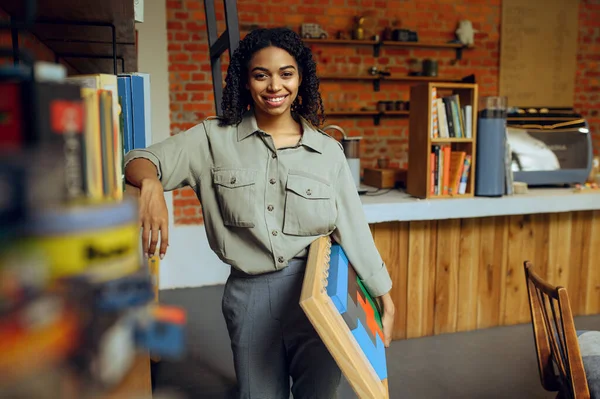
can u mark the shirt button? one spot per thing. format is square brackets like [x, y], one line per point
[280, 259]
[308, 192]
[273, 155]
[272, 181]
[274, 232]
[233, 180]
[270, 208]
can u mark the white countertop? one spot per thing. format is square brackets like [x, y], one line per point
[396, 205]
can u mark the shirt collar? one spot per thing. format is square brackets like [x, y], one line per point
[311, 138]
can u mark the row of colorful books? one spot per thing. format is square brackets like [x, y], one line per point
[129, 111]
[91, 120]
[449, 170]
[449, 118]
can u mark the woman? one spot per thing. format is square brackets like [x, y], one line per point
[270, 183]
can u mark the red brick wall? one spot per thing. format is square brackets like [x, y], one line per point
[587, 83]
[435, 20]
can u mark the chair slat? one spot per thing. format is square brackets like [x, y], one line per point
[559, 358]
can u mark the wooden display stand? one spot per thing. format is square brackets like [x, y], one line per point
[421, 140]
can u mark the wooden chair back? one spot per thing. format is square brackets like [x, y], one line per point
[559, 358]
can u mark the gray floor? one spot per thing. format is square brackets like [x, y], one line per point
[494, 363]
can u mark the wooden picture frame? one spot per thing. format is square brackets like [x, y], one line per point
[355, 342]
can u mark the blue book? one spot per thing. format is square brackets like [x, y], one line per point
[138, 110]
[147, 106]
[124, 89]
[139, 118]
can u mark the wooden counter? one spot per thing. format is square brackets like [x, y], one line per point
[464, 273]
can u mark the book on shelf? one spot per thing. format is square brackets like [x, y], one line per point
[434, 114]
[134, 90]
[449, 170]
[147, 107]
[449, 119]
[93, 156]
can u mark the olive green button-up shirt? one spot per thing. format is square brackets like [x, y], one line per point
[263, 206]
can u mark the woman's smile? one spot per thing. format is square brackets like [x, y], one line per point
[275, 101]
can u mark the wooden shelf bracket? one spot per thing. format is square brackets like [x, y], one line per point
[377, 49]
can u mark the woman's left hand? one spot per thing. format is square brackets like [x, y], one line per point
[387, 318]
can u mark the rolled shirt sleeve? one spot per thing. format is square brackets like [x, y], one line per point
[178, 159]
[352, 232]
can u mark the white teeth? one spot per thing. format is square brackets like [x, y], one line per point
[276, 99]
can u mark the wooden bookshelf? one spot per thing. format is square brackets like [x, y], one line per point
[421, 142]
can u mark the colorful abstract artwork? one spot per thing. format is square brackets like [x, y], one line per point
[357, 308]
[346, 317]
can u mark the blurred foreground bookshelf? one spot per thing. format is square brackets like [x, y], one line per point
[78, 311]
[442, 140]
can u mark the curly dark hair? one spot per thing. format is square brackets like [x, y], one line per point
[237, 99]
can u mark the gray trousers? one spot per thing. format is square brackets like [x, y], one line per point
[273, 340]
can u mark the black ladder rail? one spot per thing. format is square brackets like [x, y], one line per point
[230, 39]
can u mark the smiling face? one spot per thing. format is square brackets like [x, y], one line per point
[273, 81]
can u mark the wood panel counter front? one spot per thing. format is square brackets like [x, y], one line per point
[457, 264]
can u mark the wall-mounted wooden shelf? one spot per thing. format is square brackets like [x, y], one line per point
[377, 45]
[421, 79]
[90, 36]
[377, 79]
[424, 45]
[349, 77]
[351, 113]
[377, 115]
[342, 41]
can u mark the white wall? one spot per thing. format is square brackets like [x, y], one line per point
[189, 261]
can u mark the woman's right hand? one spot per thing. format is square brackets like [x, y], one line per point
[154, 217]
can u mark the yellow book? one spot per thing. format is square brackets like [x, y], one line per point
[93, 151]
[109, 185]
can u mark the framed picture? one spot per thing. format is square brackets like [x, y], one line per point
[346, 318]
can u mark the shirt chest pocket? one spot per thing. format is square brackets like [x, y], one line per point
[236, 191]
[309, 206]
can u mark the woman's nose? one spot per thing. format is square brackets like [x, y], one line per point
[275, 85]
